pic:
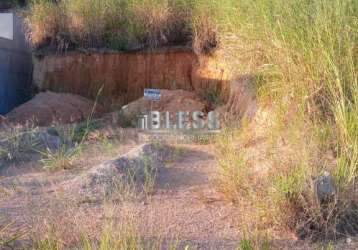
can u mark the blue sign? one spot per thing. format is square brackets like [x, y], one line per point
[152, 94]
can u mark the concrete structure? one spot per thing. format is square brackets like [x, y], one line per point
[15, 69]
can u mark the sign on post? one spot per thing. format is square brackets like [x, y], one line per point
[152, 94]
[7, 26]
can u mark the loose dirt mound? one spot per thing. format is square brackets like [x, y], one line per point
[171, 100]
[48, 108]
[133, 166]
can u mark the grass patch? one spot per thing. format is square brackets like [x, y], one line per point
[212, 97]
[119, 230]
[304, 54]
[61, 158]
[125, 25]
[8, 235]
[16, 141]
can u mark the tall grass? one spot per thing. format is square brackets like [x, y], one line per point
[305, 54]
[122, 25]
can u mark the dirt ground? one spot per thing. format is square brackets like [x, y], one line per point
[185, 203]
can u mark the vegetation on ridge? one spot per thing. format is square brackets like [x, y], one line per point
[123, 25]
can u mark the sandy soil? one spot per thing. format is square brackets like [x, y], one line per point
[185, 204]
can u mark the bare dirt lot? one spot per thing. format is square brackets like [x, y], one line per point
[183, 205]
[184, 202]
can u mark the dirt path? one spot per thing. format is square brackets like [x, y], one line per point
[185, 203]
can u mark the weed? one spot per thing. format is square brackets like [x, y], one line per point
[213, 97]
[246, 244]
[150, 175]
[254, 240]
[8, 235]
[72, 140]
[235, 176]
[15, 141]
[47, 244]
[124, 189]
[61, 158]
[80, 131]
[62, 155]
[138, 180]
[126, 120]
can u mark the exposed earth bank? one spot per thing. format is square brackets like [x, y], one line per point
[124, 75]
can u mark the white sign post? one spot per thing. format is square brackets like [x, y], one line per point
[7, 26]
[152, 95]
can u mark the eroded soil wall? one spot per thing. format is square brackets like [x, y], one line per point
[124, 75]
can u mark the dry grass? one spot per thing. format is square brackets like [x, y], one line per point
[302, 54]
[16, 142]
[8, 234]
[111, 226]
[46, 24]
[122, 25]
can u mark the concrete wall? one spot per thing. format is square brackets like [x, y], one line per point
[15, 69]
